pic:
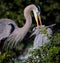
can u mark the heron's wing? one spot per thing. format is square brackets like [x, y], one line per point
[2, 27]
[6, 27]
[4, 31]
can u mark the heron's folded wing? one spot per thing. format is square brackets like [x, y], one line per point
[2, 27]
[4, 31]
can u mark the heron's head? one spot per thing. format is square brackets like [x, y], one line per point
[37, 12]
[36, 30]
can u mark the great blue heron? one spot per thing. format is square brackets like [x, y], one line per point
[43, 35]
[14, 34]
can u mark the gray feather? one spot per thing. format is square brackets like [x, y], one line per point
[5, 28]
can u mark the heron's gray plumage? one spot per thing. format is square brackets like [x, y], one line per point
[7, 22]
[4, 33]
[4, 23]
[5, 28]
[41, 38]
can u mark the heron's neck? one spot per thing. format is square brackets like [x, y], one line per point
[28, 18]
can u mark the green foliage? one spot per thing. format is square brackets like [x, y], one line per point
[48, 53]
[43, 31]
[6, 57]
[56, 39]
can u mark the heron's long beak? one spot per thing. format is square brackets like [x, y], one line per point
[38, 19]
[39, 23]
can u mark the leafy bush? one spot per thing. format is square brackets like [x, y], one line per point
[48, 53]
[6, 57]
